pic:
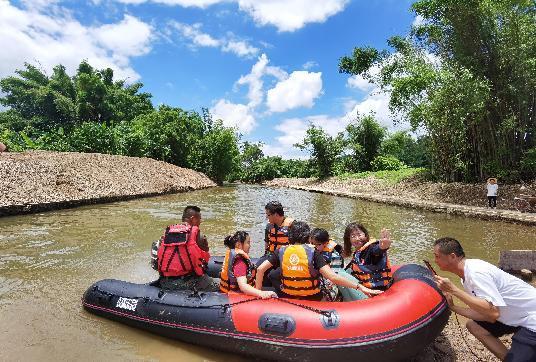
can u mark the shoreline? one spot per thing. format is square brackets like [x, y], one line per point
[417, 195]
[37, 181]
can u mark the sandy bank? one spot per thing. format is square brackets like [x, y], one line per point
[454, 198]
[42, 180]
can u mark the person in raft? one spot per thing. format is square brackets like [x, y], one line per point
[497, 303]
[183, 255]
[238, 272]
[370, 263]
[275, 236]
[330, 250]
[301, 267]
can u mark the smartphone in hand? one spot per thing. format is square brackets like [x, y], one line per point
[429, 266]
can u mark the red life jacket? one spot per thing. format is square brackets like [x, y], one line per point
[370, 275]
[228, 280]
[179, 253]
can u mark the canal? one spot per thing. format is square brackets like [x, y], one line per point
[48, 260]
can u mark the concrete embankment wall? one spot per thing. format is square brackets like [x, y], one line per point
[41, 180]
[375, 193]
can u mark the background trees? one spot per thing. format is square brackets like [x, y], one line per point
[467, 75]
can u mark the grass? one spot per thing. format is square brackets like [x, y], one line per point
[389, 176]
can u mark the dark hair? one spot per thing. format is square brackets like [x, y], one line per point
[231, 240]
[320, 235]
[190, 211]
[450, 245]
[299, 232]
[275, 207]
[350, 228]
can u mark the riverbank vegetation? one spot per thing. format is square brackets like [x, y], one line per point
[466, 73]
[464, 76]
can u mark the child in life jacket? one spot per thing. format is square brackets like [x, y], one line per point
[301, 267]
[370, 263]
[330, 250]
[238, 272]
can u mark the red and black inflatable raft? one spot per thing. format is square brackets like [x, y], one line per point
[393, 326]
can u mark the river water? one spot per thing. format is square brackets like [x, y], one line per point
[48, 260]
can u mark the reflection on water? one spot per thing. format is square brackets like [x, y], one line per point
[48, 260]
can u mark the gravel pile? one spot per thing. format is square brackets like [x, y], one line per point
[39, 180]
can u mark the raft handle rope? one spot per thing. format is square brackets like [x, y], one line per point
[325, 313]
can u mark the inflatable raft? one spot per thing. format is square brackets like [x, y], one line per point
[393, 326]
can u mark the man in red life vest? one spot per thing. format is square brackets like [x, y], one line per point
[183, 255]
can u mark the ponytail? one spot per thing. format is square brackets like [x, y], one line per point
[231, 240]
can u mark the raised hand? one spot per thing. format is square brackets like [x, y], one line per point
[385, 239]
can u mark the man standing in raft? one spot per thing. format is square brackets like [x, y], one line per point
[499, 303]
[275, 236]
[183, 255]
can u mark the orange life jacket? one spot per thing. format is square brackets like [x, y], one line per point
[228, 280]
[298, 275]
[179, 254]
[278, 235]
[371, 275]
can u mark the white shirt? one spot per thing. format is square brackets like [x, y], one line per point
[492, 189]
[515, 299]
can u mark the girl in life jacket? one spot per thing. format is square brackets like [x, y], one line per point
[301, 267]
[238, 272]
[370, 263]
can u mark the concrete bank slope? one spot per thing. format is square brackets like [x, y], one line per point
[412, 195]
[42, 180]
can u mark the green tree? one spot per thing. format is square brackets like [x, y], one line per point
[324, 149]
[407, 149]
[364, 140]
[216, 154]
[467, 76]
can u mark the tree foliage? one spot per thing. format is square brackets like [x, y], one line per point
[92, 112]
[467, 75]
[324, 149]
[364, 140]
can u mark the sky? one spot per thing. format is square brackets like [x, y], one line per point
[268, 68]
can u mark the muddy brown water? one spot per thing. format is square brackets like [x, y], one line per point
[48, 260]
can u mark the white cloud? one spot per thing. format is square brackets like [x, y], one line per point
[310, 64]
[198, 38]
[240, 48]
[255, 82]
[285, 15]
[358, 82]
[291, 15]
[184, 3]
[233, 115]
[419, 20]
[124, 37]
[293, 130]
[55, 37]
[299, 90]
[193, 33]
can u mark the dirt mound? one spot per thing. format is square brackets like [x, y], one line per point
[60, 178]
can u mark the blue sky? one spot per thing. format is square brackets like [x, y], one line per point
[266, 67]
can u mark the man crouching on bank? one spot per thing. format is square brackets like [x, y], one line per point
[498, 303]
